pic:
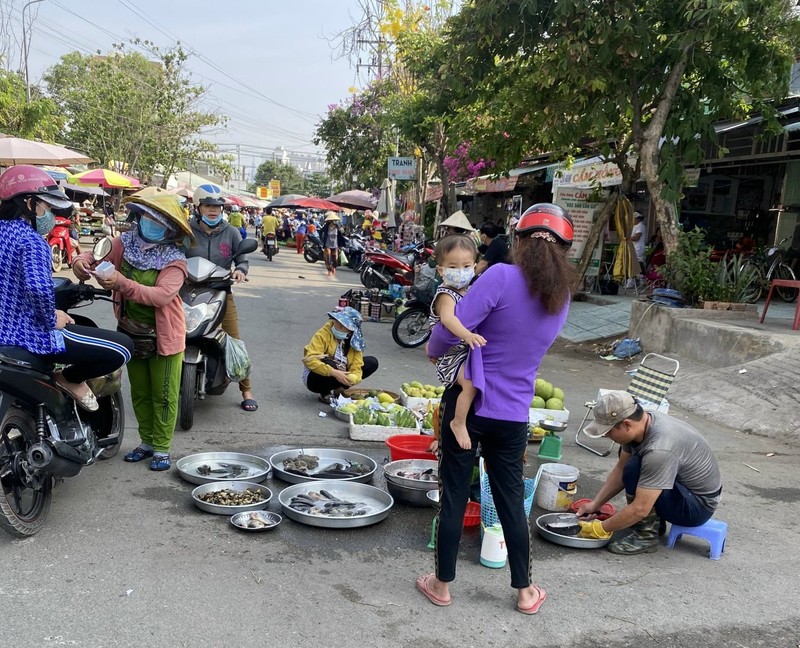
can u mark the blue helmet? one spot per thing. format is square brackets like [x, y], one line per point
[208, 194]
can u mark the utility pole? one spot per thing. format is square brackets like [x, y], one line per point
[25, 49]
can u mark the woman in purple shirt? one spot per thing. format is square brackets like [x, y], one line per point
[519, 308]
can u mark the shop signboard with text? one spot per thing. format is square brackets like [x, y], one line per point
[584, 209]
[402, 168]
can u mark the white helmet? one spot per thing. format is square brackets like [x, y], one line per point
[208, 194]
[234, 208]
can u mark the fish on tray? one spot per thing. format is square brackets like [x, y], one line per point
[566, 525]
[324, 503]
[301, 465]
[420, 475]
[224, 470]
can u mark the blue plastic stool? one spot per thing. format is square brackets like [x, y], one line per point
[715, 531]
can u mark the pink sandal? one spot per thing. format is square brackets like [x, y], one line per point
[533, 609]
[422, 586]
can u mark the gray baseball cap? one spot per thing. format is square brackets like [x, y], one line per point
[612, 407]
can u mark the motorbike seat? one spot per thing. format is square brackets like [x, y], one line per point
[14, 355]
[405, 258]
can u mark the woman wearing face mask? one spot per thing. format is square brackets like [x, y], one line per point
[219, 242]
[332, 241]
[520, 308]
[334, 358]
[28, 315]
[149, 270]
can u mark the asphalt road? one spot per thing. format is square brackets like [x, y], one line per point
[126, 559]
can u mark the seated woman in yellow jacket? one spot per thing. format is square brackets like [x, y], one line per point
[334, 358]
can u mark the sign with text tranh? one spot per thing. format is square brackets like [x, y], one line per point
[402, 168]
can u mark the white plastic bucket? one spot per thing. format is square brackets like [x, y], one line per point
[557, 487]
[493, 548]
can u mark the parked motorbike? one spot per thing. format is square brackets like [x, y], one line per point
[270, 245]
[61, 250]
[382, 267]
[44, 435]
[410, 328]
[312, 248]
[354, 251]
[204, 302]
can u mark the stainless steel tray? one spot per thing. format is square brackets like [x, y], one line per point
[327, 456]
[567, 541]
[219, 509]
[257, 467]
[240, 520]
[411, 465]
[379, 501]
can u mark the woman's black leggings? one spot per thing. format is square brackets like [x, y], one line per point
[91, 352]
[503, 444]
[326, 384]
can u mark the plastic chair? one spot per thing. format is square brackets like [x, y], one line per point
[715, 531]
[649, 385]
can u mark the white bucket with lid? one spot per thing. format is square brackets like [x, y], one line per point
[557, 486]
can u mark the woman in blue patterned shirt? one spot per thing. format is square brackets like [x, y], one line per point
[28, 315]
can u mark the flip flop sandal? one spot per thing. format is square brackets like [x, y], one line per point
[422, 586]
[325, 399]
[533, 609]
[138, 454]
[160, 462]
[249, 405]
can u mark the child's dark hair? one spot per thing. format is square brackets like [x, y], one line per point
[455, 242]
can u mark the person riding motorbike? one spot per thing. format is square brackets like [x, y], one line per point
[29, 318]
[269, 224]
[219, 242]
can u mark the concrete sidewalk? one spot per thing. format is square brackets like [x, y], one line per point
[735, 370]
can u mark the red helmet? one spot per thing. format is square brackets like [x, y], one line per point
[25, 179]
[546, 217]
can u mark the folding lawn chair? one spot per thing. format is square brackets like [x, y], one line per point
[649, 385]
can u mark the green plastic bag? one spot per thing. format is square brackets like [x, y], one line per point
[237, 360]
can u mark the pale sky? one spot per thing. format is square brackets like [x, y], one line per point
[262, 50]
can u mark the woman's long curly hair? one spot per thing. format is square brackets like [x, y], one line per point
[548, 272]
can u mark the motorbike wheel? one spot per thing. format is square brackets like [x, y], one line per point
[56, 259]
[268, 251]
[310, 256]
[117, 425]
[410, 328]
[187, 396]
[23, 505]
[374, 279]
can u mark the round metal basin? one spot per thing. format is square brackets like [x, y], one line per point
[566, 541]
[327, 457]
[219, 509]
[378, 501]
[223, 466]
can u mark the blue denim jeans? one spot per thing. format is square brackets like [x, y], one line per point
[677, 505]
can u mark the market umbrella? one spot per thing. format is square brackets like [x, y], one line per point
[354, 199]
[103, 178]
[626, 265]
[315, 203]
[90, 191]
[230, 199]
[285, 201]
[183, 191]
[15, 150]
[386, 202]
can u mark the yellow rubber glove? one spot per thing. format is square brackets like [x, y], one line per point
[593, 530]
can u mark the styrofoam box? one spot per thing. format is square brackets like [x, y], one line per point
[417, 403]
[537, 414]
[377, 432]
[647, 406]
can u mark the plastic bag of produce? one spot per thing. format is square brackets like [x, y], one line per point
[237, 360]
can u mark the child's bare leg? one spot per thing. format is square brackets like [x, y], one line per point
[459, 423]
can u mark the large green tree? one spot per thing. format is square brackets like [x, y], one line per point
[38, 119]
[140, 112]
[617, 79]
[292, 181]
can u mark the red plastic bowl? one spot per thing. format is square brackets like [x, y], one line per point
[410, 446]
[472, 514]
[606, 511]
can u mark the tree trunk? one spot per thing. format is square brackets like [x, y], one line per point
[649, 156]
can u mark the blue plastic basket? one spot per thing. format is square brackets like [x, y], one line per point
[488, 511]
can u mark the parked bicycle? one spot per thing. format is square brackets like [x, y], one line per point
[768, 264]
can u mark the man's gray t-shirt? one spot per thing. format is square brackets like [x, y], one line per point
[673, 451]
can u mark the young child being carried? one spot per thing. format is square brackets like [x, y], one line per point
[455, 262]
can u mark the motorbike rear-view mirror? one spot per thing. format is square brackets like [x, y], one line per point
[101, 249]
[248, 246]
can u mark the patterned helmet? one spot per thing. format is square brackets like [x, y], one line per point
[551, 221]
[25, 179]
[208, 194]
